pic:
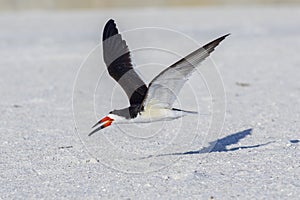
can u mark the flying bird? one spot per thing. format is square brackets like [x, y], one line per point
[147, 103]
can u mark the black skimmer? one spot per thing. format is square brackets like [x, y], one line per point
[152, 103]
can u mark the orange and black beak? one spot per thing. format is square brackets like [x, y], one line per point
[106, 121]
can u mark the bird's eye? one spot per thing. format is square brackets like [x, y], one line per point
[110, 112]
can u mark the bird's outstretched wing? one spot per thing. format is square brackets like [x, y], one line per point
[117, 59]
[165, 87]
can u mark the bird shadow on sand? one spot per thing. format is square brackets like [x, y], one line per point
[220, 145]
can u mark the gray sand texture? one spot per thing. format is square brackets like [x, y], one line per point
[46, 154]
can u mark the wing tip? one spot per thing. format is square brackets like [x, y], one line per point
[224, 36]
[110, 29]
[228, 34]
[110, 21]
[210, 47]
[220, 39]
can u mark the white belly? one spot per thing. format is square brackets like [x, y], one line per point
[151, 114]
[157, 114]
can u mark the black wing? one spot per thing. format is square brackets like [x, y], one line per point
[117, 59]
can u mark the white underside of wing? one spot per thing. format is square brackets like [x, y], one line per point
[165, 87]
[164, 90]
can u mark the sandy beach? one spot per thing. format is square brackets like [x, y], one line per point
[255, 156]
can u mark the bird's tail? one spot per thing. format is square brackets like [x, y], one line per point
[189, 112]
[185, 111]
